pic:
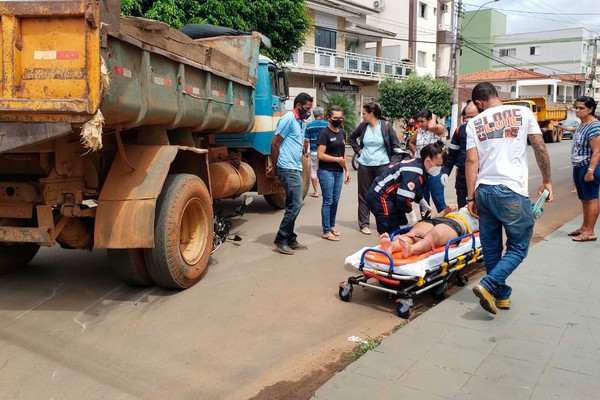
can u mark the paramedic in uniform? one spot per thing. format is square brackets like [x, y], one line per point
[392, 193]
[497, 187]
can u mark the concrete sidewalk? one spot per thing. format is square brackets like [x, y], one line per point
[546, 347]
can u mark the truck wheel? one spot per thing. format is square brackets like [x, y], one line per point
[130, 266]
[13, 256]
[559, 135]
[183, 233]
[277, 200]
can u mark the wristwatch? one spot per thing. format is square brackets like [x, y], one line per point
[470, 199]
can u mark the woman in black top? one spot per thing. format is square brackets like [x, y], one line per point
[331, 152]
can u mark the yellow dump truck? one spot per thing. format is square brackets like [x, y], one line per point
[119, 133]
[547, 115]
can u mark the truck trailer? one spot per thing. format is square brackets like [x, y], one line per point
[120, 133]
[547, 114]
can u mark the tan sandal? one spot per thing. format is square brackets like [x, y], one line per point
[330, 236]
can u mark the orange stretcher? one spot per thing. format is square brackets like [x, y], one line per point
[405, 278]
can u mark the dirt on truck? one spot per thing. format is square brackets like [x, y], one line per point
[119, 133]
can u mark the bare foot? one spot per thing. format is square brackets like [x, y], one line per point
[384, 242]
[406, 248]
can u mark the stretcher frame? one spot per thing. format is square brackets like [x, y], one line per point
[410, 286]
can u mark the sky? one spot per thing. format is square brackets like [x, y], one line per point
[544, 15]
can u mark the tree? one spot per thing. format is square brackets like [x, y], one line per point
[403, 100]
[339, 99]
[285, 22]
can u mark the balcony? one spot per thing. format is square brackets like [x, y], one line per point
[327, 62]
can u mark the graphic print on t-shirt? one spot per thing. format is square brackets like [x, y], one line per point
[504, 124]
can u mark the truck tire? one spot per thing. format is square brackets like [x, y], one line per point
[13, 256]
[183, 233]
[547, 135]
[130, 266]
[277, 200]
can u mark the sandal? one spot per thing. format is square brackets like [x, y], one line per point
[315, 195]
[335, 232]
[576, 232]
[330, 236]
[584, 237]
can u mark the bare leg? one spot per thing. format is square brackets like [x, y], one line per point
[439, 235]
[590, 216]
[314, 185]
[406, 248]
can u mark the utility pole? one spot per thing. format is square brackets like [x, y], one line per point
[591, 92]
[456, 63]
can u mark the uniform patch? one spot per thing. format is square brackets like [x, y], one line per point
[411, 185]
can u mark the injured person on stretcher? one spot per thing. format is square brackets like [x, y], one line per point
[428, 234]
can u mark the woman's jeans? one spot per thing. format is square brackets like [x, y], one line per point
[331, 187]
[435, 187]
[499, 207]
[291, 181]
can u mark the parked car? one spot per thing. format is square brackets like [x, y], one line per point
[569, 123]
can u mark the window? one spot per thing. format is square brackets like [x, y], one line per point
[434, 11]
[325, 38]
[534, 51]
[433, 58]
[422, 10]
[508, 52]
[421, 59]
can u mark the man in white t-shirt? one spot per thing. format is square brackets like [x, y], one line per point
[497, 187]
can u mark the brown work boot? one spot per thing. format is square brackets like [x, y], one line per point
[503, 304]
[486, 299]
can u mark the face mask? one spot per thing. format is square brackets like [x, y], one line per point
[336, 123]
[435, 170]
[303, 113]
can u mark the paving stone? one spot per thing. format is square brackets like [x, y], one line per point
[414, 339]
[574, 355]
[524, 350]
[349, 386]
[566, 385]
[536, 332]
[398, 391]
[381, 366]
[455, 358]
[511, 371]
[491, 388]
[473, 339]
[433, 379]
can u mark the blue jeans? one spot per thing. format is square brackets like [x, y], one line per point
[435, 187]
[331, 187]
[291, 180]
[499, 207]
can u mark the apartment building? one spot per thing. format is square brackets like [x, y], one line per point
[356, 44]
[562, 52]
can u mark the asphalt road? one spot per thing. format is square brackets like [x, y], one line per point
[69, 329]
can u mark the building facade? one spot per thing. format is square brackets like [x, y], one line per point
[356, 44]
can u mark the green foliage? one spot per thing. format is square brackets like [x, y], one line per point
[403, 100]
[340, 99]
[362, 348]
[285, 22]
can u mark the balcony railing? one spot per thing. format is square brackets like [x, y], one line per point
[331, 62]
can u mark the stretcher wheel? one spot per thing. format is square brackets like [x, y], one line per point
[439, 292]
[345, 291]
[404, 308]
